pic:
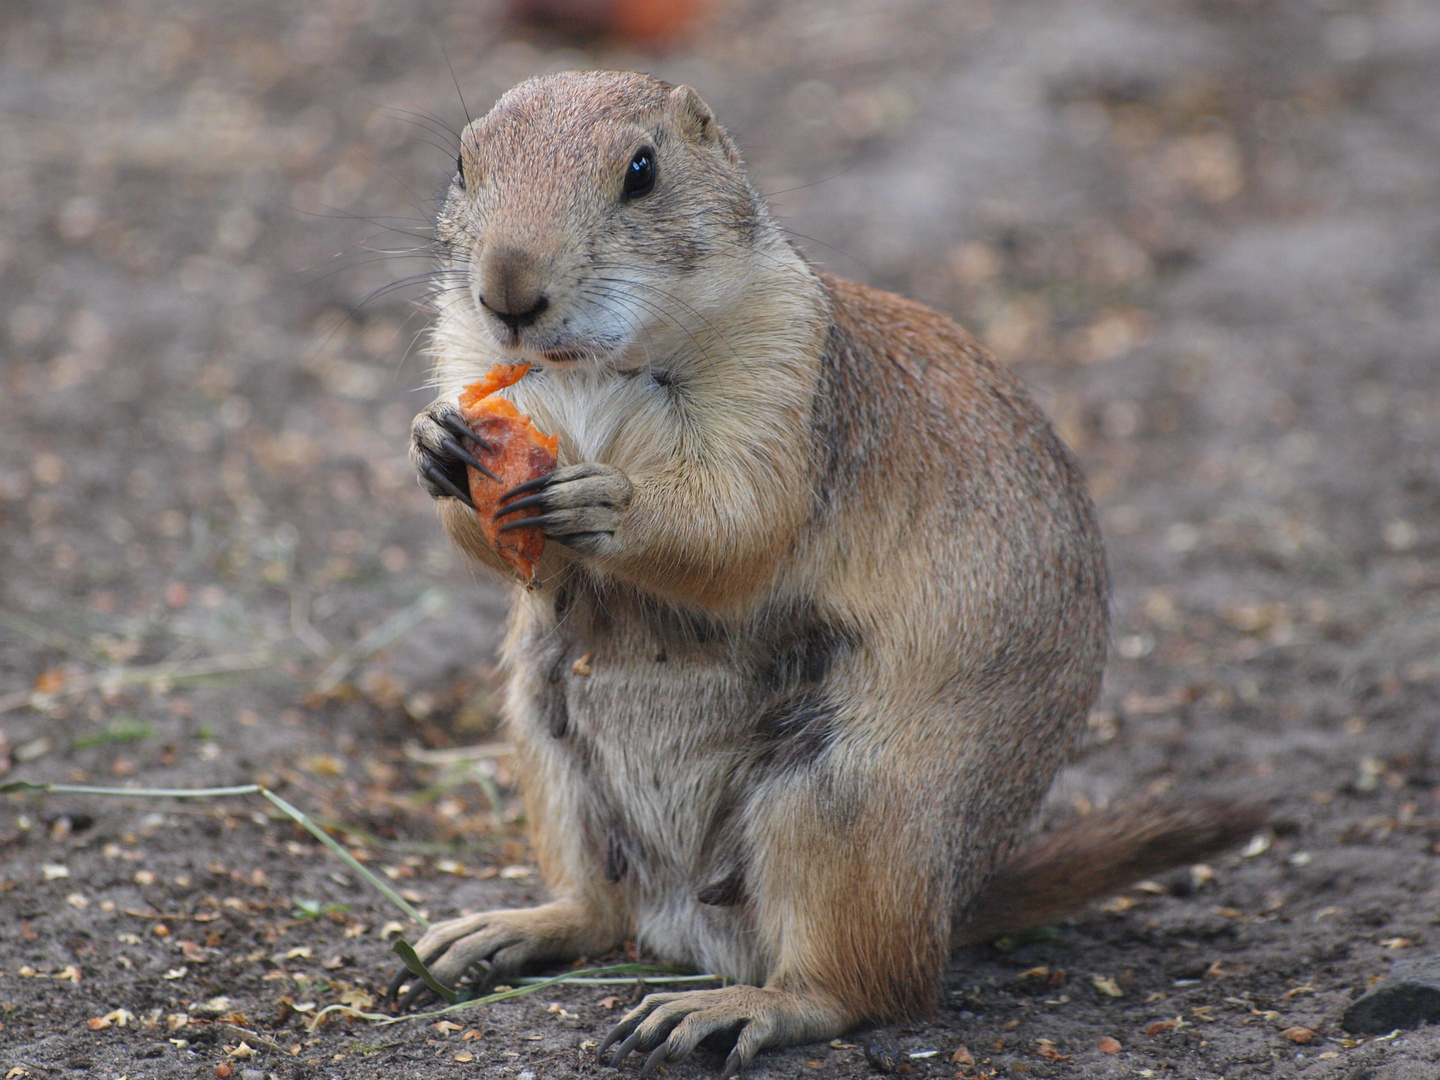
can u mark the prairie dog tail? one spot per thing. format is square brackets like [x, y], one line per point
[1056, 872]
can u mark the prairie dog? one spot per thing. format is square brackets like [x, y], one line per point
[840, 587]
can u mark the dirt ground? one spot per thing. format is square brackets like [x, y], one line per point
[1207, 232]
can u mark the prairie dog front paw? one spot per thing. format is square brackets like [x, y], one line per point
[504, 942]
[441, 446]
[580, 506]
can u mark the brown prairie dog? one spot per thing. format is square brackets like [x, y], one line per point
[841, 587]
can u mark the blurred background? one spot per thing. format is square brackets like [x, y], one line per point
[1205, 232]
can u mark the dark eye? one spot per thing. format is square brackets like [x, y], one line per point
[460, 171]
[639, 174]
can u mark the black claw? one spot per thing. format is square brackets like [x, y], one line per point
[537, 484]
[489, 976]
[455, 425]
[416, 995]
[397, 982]
[617, 1032]
[625, 1047]
[522, 504]
[441, 480]
[733, 1065]
[525, 523]
[655, 1060]
[467, 457]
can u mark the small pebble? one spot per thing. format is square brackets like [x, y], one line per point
[1408, 997]
[882, 1050]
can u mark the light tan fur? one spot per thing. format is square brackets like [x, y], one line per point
[841, 586]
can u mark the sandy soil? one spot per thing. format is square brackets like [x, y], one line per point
[1206, 232]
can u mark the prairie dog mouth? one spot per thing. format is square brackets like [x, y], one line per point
[565, 355]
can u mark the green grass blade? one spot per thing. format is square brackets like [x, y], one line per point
[147, 793]
[413, 964]
[532, 986]
[298, 816]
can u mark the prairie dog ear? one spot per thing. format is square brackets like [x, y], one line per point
[697, 123]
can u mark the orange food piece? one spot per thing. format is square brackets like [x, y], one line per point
[518, 452]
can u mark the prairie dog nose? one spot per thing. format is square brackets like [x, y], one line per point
[512, 286]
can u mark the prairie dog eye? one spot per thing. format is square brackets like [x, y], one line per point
[639, 175]
[460, 171]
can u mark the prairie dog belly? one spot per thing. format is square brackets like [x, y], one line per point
[624, 713]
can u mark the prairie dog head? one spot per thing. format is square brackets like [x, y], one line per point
[595, 215]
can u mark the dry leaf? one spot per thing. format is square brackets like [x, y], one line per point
[323, 765]
[243, 1052]
[608, 1002]
[1259, 844]
[1158, 1028]
[464, 1056]
[357, 998]
[447, 1026]
[962, 1055]
[1106, 986]
[1049, 1053]
[97, 1023]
